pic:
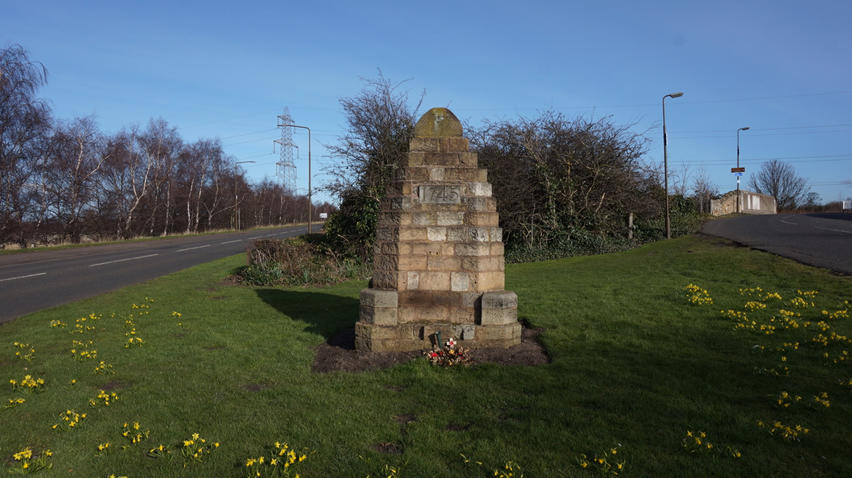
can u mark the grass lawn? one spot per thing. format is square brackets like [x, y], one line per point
[635, 367]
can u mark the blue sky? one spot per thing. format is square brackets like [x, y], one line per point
[223, 69]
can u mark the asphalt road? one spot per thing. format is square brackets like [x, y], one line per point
[37, 280]
[823, 240]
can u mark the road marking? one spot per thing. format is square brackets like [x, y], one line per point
[24, 277]
[788, 222]
[122, 260]
[230, 242]
[192, 248]
[256, 237]
[833, 230]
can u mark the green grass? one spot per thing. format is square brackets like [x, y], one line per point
[634, 363]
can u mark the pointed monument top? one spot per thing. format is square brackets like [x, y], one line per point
[438, 123]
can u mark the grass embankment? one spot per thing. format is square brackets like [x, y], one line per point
[636, 367]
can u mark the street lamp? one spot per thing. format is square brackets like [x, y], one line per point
[744, 128]
[309, 168]
[666, 162]
[236, 201]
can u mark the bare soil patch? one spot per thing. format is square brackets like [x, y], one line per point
[339, 354]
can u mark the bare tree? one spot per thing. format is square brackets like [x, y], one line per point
[704, 190]
[24, 127]
[779, 180]
[380, 124]
[74, 157]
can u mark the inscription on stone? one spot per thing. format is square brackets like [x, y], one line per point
[440, 194]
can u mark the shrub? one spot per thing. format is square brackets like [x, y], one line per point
[299, 261]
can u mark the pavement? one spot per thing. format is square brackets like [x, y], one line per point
[31, 281]
[822, 240]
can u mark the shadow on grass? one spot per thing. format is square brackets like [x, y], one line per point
[327, 314]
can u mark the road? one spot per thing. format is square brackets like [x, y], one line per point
[823, 240]
[37, 280]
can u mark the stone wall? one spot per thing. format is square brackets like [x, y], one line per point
[750, 203]
[439, 263]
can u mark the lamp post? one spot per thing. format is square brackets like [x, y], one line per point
[666, 162]
[744, 128]
[309, 168]
[236, 201]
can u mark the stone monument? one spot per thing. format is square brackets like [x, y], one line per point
[439, 266]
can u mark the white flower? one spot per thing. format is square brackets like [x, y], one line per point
[451, 342]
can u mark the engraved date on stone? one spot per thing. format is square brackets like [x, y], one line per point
[440, 194]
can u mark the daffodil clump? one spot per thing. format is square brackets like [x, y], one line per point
[159, 451]
[754, 305]
[281, 461]
[83, 350]
[696, 442]
[14, 402]
[697, 295]
[605, 463]
[85, 324]
[787, 432]
[69, 420]
[177, 315]
[26, 461]
[196, 448]
[134, 433]
[103, 447]
[28, 383]
[56, 323]
[104, 368]
[24, 352]
[784, 399]
[822, 399]
[103, 398]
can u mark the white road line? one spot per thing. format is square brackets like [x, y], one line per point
[24, 277]
[832, 230]
[256, 237]
[788, 222]
[122, 260]
[191, 248]
[230, 242]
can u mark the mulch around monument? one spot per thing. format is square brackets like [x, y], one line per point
[339, 354]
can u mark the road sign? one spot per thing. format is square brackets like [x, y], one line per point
[737, 170]
[738, 174]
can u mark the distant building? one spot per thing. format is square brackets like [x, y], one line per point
[750, 203]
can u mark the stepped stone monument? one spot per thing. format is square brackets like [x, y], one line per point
[439, 266]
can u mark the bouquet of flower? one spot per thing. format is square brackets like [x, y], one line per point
[451, 354]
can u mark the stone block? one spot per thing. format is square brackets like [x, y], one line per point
[441, 159]
[434, 280]
[476, 249]
[481, 204]
[488, 281]
[467, 332]
[461, 315]
[443, 263]
[424, 218]
[508, 333]
[412, 233]
[412, 263]
[499, 316]
[379, 298]
[379, 315]
[438, 123]
[427, 248]
[414, 158]
[457, 144]
[482, 219]
[497, 249]
[459, 281]
[385, 279]
[424, 145]
[387, 234]
[450, 218]
[430, 314]
[436, 174]
[483, 263]
[480, 189]
[436, 233]
[412, 281]
[469, 160]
